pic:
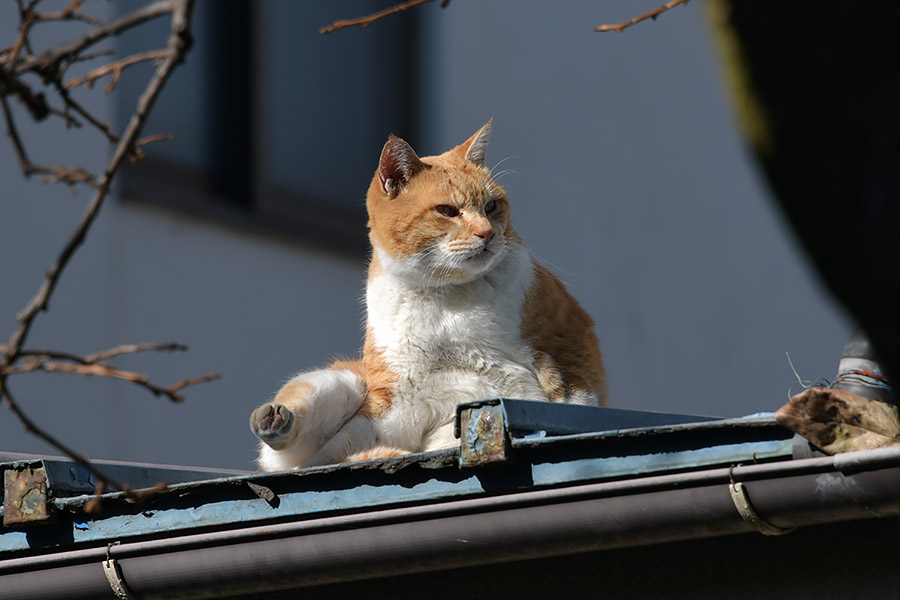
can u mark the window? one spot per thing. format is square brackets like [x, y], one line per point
[277, 126]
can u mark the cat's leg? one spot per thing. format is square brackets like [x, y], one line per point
[549, 377]
[377, 452]
[306, 413]
[357, 436]
[365, 435]
[567, 385]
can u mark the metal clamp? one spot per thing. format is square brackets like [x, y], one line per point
[745, 508]
[114, 576]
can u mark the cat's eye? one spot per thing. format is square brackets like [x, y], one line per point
[447, 210]
[490, 207]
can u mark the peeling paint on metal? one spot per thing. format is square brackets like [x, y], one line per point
[483, 436]
[24, 496]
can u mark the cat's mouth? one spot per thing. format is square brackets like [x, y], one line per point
[480, 257]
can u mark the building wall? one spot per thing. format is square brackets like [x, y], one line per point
[629, 179]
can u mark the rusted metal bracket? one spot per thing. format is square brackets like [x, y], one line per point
[25, 495]
[482, 433]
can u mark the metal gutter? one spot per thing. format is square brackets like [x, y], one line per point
[512, 526]
[541, 445]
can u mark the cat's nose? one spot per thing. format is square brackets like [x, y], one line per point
[486, 235]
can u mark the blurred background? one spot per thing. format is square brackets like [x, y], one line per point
[244, 238]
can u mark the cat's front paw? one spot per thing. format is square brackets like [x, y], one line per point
[272, 423]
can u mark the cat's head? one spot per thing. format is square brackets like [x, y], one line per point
[442, 218]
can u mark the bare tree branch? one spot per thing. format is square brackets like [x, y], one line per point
[97, 123]
[48, 63]
[650, 15]
[179, 43]
[131, 349]
[50, 66]
[35, 103]
[32, 364]
[69, 175]
[82, 460]
[116, 69]
[102, 355]
[368, 20]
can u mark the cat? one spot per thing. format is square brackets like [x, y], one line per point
[457, 310]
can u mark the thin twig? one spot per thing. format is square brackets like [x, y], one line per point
[103, 354]
[97, 123]
[133, 348]
[98, 369]
[48, 63]
[138, 154]
[24, 27]
[69, 119]
[69, 175]
[175, 387]
[33, 428]
[88, 57]
[368, 20]
[13, 134]
[650, 15]
[116, 69]
[35, 103]
[70, 13]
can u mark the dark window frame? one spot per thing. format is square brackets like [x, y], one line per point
[232, 190]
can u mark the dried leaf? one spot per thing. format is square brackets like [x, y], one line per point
[840, 421]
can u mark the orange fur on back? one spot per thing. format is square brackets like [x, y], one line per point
[563, 333]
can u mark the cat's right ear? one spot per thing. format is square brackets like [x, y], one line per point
[397, 166]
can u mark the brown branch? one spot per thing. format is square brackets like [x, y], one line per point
[32, 427]
[35, 103]
[188, 382]
[69, 175]
[24, 27]
[102, 355]
[368, 20]
[70, 13]
[29, 18]
[48, 63]
[97, 123]
[89, 57]
[13, 134]
[178, 44]
[116, 69]
[68, 118]
[650, 15]
[138, 154]
[133, 348]
[32, 364]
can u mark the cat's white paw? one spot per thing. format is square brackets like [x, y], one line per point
[272, 423]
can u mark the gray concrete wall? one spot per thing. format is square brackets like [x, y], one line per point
[631, 182]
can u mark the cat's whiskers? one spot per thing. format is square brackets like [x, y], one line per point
[503, 173]
[492, 169]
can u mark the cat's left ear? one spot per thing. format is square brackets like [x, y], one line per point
[397, 165]
[476, 146]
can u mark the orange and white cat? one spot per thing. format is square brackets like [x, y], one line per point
[457, 310]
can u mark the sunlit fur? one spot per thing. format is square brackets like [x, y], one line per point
[457, 310]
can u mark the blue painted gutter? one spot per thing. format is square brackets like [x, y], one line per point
[527, 481]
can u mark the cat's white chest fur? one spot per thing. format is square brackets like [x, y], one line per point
[449, 345]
